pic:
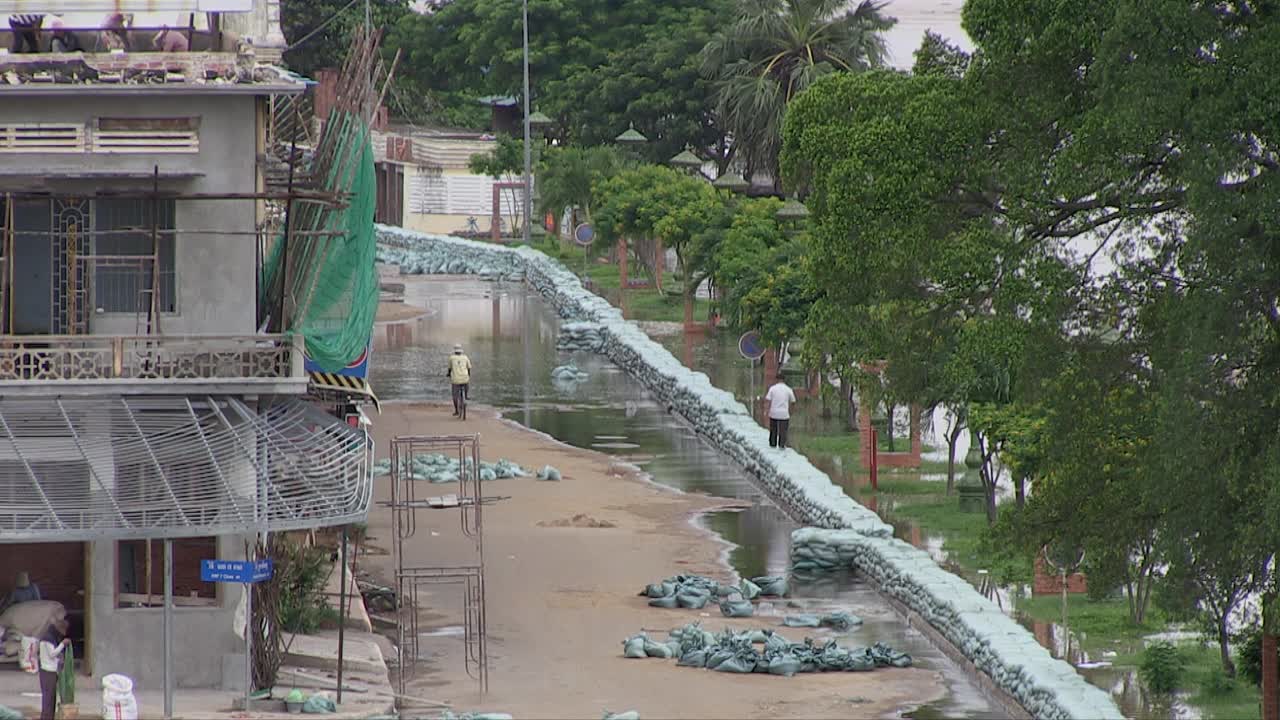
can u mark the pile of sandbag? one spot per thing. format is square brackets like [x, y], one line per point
[694, 592]
[568, 374]
[737, 652]
[580, 337]
[440, 468]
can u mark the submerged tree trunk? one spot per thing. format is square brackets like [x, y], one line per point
[847, 387]
[1224, 645]
[888, 424]
[953, 438]
[1020, 491]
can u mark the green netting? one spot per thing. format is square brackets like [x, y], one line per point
[334, 288]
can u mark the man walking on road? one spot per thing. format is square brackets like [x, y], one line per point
[460, 374]
[779, 399]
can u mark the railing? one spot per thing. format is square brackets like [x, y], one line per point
[149, 357]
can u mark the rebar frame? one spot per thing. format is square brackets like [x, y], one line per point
[412, 581]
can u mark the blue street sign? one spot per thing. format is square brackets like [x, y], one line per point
[751, 346]
[235, 571]
[584, 234]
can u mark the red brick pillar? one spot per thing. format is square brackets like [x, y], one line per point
[770, 366]
[864, 433]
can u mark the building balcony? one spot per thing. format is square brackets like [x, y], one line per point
[68, 365]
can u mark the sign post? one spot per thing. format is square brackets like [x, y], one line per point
[583, 236]
[245, 572]
[752, 348]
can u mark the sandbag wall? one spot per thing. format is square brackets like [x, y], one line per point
[843, 534]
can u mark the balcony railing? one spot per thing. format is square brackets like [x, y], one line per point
[149, 357]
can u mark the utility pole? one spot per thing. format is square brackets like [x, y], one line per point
[528, 148]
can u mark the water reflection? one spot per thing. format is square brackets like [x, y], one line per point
[510, 336]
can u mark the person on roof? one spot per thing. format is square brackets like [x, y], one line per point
[460, 375]
[23, 591]
[170, 41]
[62, 40]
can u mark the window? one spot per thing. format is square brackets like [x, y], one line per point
[134, 590]
[122, 245]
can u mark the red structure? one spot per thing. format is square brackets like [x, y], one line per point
[1049, 582]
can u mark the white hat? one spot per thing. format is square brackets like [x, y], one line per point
[23, 580]
[457, 348]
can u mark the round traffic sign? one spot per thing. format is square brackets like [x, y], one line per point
[751, 346]
[584, 234]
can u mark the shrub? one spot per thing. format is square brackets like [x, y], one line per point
[304, 572]
[1249, 654]
[1218, 683]
[1162, 667]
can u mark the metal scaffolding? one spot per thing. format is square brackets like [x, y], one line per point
[413, 582]
[87, 265]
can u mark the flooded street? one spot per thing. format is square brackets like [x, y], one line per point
[510, 336]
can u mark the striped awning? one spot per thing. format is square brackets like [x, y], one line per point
[128, 467]
[357, 388]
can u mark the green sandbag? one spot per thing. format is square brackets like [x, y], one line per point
[841, 620]
[749, 589]
[736, 609]
[669, 602]
[693, 658]
[771, 586]
[633, 647]
[656, 649]
[319, 705]
[655, 590]
[741, 663]
[776, 643]
[784, 665]
[628, 715]
[692, 600]
[9, 714]
[809, 621]
[549, 473]
[717, 657]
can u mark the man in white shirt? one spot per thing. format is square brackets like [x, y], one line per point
[52, 642]
[779, 399]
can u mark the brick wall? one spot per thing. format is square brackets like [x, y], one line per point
[1049, 582]
[187, 554]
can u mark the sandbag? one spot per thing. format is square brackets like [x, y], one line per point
[633, 647]
[784, 665]
[549, 473]
[749, 589]
[810, 621]
[9, 714]
[628, 715]
[771, 586]
[738, 609]
[692, 600]
[776, 643]
[841, 620]
[738, 664]
[118, 702]
[319, 704]
[29, 660]
[717, 657]
[669, 602]
[32, 617]
[693, 658]
[657, 649]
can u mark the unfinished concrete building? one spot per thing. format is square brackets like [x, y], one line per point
[141, 398]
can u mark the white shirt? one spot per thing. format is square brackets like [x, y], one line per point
[50, 654]
[780, 398]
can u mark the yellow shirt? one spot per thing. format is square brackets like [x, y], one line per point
[459, 369]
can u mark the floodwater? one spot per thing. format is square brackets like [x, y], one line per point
[510, 337]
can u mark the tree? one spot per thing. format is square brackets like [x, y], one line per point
[653, 202]
[593, 68]
[569, 176]
[772, 51]
[504, 163]
[319, 31]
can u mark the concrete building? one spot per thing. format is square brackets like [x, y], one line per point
[140, 403]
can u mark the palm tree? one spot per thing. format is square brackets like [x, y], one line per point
[772, 51]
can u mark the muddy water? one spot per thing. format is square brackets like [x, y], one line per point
[510, 336]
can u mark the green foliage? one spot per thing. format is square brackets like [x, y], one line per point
[772, 50]
[303, 575]
[1249, 654]
[593, 68]
[506, 159]
[936, 56]
[328, 47]
[1162, 667]
[568, 176]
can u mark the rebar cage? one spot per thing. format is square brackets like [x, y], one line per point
[413, 581]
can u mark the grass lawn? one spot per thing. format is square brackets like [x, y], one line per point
[642, 303]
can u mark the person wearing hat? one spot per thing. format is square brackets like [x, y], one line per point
[460, 375]
[23, 591]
